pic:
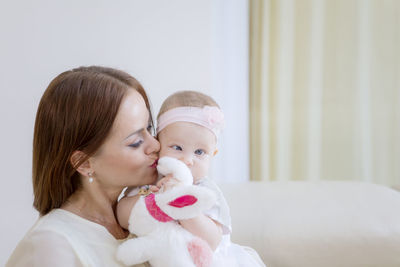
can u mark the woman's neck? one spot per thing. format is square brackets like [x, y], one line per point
[97, 206]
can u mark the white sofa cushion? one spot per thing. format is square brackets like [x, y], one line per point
[319, 224]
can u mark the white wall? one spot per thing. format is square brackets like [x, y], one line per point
[167, 45]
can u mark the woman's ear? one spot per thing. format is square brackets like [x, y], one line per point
[76, 158]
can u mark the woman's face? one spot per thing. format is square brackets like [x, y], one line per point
[128, 156]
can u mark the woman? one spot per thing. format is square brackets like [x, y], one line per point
[93, 137]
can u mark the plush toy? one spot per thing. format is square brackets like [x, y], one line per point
[160, 239]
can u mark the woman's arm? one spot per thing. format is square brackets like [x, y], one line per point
[205, 228]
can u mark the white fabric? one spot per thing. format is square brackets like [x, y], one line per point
[227, 253]
[315, 224]
[64, 239]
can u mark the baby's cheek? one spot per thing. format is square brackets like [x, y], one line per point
[200, 172]
[168, 154]
[163, 152]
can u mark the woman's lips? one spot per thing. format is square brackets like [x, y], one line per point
[154, 165]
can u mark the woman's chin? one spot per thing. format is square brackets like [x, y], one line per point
[152, 178]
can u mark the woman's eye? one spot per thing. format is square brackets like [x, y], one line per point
[199, 152]
[150, 128]
[137, 144]
[175, 147]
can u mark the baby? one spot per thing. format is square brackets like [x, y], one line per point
[188, 127]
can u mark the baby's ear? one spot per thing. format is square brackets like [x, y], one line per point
[215, 152]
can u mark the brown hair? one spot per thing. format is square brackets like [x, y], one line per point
[186, 99]
[76, 112]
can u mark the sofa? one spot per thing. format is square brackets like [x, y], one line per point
[317, 224]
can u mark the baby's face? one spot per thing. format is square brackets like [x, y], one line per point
[191, 143]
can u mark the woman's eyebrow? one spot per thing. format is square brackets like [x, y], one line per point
[140, 130]
[135, 132]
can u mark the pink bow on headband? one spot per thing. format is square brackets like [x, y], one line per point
[215, 117]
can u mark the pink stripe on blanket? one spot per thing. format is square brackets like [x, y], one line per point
[155, 210]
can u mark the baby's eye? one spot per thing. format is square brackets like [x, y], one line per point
[177, 147]
[136, 144]
[200, 152]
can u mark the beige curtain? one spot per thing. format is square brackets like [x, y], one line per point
[325, 90]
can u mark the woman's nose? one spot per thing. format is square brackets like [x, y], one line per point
[153, 145]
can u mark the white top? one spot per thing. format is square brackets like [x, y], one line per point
[220, 211]
[64, 239]
[228, 254]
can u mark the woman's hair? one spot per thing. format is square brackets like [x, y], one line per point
[186, 99]
[76, 112]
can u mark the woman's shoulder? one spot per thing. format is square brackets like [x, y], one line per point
[62, 235]
[62, 225]
[44, 224]
[48, 230]
[43, 247]
[56, 221]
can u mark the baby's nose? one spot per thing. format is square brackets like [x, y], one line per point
[188, 160]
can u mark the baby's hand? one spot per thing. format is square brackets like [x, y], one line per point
[147, 188]
[154, 188]
[167, 183]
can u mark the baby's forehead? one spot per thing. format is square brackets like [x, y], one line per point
[187, 129]
[196, 135]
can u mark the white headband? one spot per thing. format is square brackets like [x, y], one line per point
[208, 116]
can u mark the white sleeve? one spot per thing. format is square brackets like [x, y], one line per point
[220, 211]
[44, 249]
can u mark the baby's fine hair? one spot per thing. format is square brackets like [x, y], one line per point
[186, 99]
